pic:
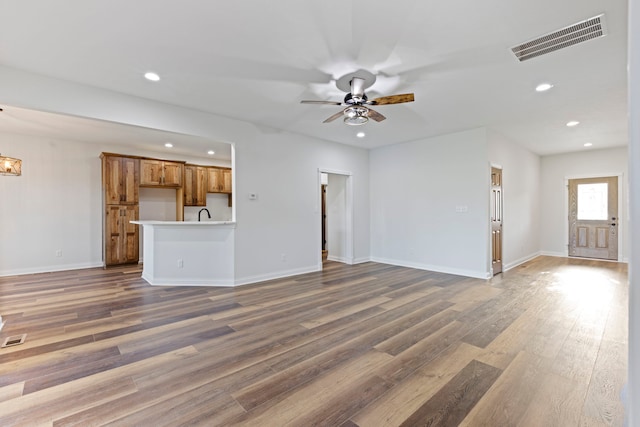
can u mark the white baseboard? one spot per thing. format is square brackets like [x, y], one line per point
[276, 275]
[555, 254]
[520, 261]
[361, 260]
[189, 282]
[339, 259]
[49, 269]
[436, 268]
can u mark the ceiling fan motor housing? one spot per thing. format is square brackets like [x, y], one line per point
[350, 99]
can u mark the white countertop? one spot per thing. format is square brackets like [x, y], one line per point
[198, 223]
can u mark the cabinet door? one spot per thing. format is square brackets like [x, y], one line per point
[151, 172]
[112, 179]
[201, 186]
[189, 185]
[130, 180]
[121, 237]
[113, 235]
[172, 174]
[131, 240]
[215, 180]
[120, 176]
[226, 181]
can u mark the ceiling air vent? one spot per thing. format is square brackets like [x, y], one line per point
[582, 31]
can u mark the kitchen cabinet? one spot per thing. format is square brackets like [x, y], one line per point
[195, 185]
[160, 173]
[120, 179]
[219, 180]
[120, 183]
[121, 237]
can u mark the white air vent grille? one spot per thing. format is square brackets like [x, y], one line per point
[588, 29]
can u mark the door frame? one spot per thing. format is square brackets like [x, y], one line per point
[621, 214]
[349, 258]
[502, 269]
[493, 165]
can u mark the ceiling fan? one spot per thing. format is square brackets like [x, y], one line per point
[357, 111]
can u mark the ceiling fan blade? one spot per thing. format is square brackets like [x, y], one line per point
[321, 102]
[373, 114]
[335, 116]
[393, 99]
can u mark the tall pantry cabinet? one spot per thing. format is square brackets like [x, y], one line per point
[120, 182]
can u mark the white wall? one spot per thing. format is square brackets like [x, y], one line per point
[337, 218]
[521, 199]
[54, 205]
[554, 172]
[416, 188]
[282, 169]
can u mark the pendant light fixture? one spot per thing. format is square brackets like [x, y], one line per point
[10, 166]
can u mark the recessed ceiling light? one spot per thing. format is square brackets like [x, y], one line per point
[211, 152]
[168, 145]
[588, 144]
[542, 87]
[573, 123]
[152, 76]
[360, 134]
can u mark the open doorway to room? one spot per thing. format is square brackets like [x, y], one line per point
[336, 216]
[593, 217]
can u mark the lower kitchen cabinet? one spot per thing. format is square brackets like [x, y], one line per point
[122, 244]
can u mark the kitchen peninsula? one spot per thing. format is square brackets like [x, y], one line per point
[188, 252]
[174, 252]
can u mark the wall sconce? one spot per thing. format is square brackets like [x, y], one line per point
[10, 166]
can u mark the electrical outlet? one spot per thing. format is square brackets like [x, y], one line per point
[59, 253]
[180, 263]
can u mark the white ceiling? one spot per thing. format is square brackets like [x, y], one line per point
[254, 61]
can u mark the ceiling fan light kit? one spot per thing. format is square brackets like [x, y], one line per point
[356, 115]
[356, 101]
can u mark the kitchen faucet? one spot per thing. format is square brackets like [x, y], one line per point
[200, 211]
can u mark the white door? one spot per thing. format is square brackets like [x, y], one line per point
[593, 218]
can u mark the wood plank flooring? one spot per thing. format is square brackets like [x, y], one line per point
[544, 344]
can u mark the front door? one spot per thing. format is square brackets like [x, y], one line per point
[593, 218]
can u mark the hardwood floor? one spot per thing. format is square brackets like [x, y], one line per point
[544, 344]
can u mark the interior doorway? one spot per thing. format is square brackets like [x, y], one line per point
[336, 216]
[593, 218]
[496, 220]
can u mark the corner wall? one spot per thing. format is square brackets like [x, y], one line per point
[430, 204]
[521, 199]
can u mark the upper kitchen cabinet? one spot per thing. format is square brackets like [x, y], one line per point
[161, 173]
[219, 180]
[195, 185]
[120, 179]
